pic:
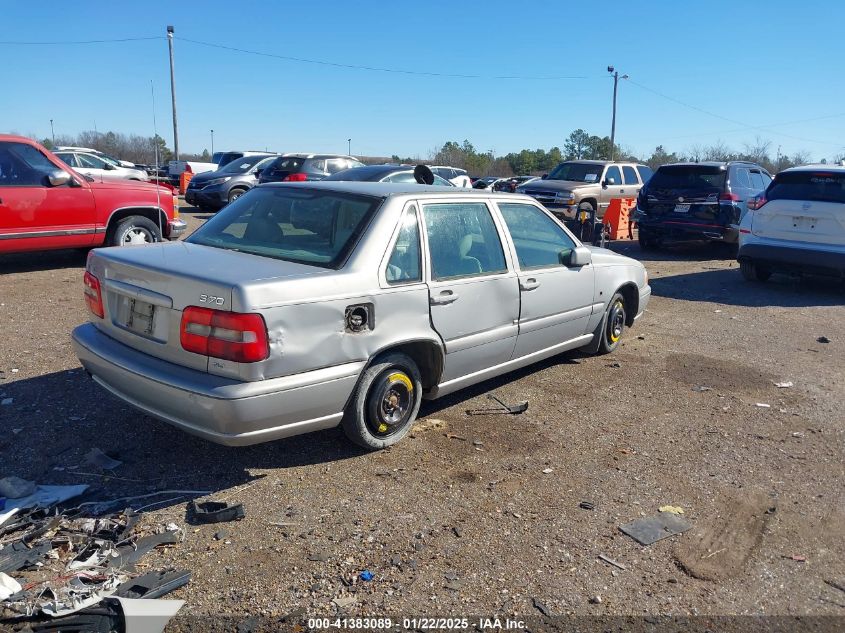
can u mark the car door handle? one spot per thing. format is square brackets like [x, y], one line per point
[445, 297]
[529, 284]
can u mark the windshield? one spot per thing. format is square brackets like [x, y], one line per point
[577, 172]
[294, 224]
[690, 177]
[815, 186]
[241, 165]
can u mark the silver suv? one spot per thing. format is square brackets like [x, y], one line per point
[587, 186]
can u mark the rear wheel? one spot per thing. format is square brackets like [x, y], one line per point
[134, 230]
[753, 272]
[614, 324]
[647, 243]
[385, 404]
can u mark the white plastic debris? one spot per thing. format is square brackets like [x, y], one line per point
[8, 586]
[148, 616]
[784, 385]
[96, 457]
[763, 405]
[548, 471]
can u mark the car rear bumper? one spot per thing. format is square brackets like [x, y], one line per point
[218, 409]
[686, 231]
[790, 259]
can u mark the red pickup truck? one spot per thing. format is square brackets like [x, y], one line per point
[45, 205]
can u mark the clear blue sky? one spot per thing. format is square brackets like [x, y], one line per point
[763, 64]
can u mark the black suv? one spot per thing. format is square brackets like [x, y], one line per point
[697, 201]
[299, 167]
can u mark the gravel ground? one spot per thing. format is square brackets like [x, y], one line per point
[481, 514]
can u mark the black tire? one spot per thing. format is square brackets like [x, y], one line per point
[385, 403]
[614, 324]
[646, 243]
[234, 194]
[136, 229]
[752, 272]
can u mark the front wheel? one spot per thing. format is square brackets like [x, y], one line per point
[234, 194]
[385, 404]
[614, 324]
[134, 230]
[752, 272]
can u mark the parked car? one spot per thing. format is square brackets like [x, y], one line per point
[697, 201]
[796, 226]
[486, 183]
[213, 190]
[175, 168]
[510, 185]
[302, 306]
[384, 173]
[457, 177]
[99, 168]
[294, 167]
[222, 159]
[46, 205]
[587, 186]
[89, 150]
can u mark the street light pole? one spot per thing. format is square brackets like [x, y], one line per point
[52, 132]
[212, 142]
[615, 74]
[349, 147]
[173, 93]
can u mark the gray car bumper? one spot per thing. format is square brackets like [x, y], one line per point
[218, 409]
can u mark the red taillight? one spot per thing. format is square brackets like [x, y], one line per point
[755, 203]
[93, 296]
[296, 177]
[229, 335]
[731, 197]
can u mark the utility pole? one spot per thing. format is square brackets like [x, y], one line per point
[349, 147]
[173, 93]
[615, 74]
[52, 133]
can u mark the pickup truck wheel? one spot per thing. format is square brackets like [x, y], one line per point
[614, 324]
[136, 229]
[385, 403]
[234, 194]
[752, 272]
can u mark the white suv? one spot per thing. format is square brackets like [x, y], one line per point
[797, 225]
[457, 177]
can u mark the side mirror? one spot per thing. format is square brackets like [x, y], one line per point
[58, 178]
[544, 176]
[258, 173]
[577, 257]
[609, 181]
[108, 166]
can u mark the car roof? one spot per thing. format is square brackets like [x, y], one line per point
[384, 189]
[308, 155]
[818, 167]
[712, 163]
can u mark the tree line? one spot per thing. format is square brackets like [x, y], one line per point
[132, 147]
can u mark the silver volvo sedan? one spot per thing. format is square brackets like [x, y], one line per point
[302, 306]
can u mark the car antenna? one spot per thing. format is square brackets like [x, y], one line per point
[155, 150]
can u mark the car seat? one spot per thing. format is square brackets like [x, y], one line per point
[263, 229]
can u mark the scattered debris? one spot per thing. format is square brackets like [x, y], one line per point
[457, 531]
[15, 487]
[8, 586]
[655, 528]
[610, 561]
[548, 471]
[672, 509]
[477, 443]
[821, 339]
[344, 601]
[798, 434]
[319, 557]
[763, 405]
[542, 608]
[587, 505]
[797, 558]
[595, 600]
[784, 385]
[452, 436]
[702, 388]
[366, 575]
[97, 458]
[520, 407]
[615, 364]
[154, 584]
[151, 616]
[220, 535]
[216, 511]
[836, 584]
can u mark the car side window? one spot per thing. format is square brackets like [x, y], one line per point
[613, 172]
[540, 242]
[630, 175]
[405, 265]
[334, 165]
[757, 180]
[403, 177]
[70, 159]
[645, 173]
[767, 180]
[91, 162]
[22, 165]
[742, 178]
[462, 240]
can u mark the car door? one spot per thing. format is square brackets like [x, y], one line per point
[611, 188]
[35, 215]
[555, 299]
[473, 292]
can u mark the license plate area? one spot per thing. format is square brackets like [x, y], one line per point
[137, 316]
[682, 208]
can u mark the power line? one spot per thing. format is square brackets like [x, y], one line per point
[64, 42]
[762, 127]
[378, 68]
[729, 120]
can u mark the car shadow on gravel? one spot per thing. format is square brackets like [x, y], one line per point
[54, 420]
[687, 251]
[43, 260]
[727, 286]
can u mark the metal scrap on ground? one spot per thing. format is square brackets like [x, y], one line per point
[515, 409]
[655, 528]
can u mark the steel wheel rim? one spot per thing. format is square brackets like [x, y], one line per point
[391, 404]
[137, 235]
[616, 322]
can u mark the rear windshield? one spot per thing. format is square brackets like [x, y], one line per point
[286, 165]
[688, 177]
[577, 172]
[295, 224]
[819, 186]
[241, 165]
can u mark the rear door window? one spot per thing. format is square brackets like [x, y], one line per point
[70, 159]
[645, 173]
[404, 265]
[757, 183]
[462, 240]
[742, 178]
[814, 186]
[630, 175]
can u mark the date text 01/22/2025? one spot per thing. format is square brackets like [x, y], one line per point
[417, 623]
